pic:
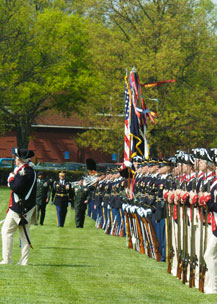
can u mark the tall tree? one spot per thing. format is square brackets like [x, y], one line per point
[164, 40]
[44, 62]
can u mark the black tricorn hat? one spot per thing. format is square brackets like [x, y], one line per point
[206, 154]
[91, 164]
[23, 153]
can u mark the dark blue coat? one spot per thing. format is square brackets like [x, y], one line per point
[21, 185]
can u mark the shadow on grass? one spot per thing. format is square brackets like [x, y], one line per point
[59, 265]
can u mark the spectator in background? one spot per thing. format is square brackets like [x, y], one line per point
[42, 196]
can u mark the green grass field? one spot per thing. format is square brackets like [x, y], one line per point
[69, 265]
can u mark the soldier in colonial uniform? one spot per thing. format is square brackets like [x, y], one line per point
[21, 207]
[62, 194]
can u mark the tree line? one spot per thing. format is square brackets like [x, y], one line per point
[72, 56]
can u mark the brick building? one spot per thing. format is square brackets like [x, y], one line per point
[53, 140]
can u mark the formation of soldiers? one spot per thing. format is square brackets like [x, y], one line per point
[167, 210]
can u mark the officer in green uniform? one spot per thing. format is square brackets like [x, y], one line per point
[82, 196]
[43, 192]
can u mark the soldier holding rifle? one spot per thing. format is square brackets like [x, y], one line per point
[207, 199]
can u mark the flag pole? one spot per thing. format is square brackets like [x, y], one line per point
[129, 123]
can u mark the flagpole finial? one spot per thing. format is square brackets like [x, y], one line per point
[133, 69]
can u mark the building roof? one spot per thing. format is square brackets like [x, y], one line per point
[52, 119]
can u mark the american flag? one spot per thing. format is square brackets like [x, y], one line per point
[127, 124]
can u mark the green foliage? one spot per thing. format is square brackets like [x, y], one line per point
[73, 56]
[44, 62]
[163, 40]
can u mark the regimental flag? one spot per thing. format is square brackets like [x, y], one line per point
[127, 123]
[137, 117]
[137, 136]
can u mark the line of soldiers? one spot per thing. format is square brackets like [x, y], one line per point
[167, 210]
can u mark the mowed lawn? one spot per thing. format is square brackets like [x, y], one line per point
[69, 265]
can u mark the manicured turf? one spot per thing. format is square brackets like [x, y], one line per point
[69, 265]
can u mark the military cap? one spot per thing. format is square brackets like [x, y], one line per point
[163, 162]
[23, 153]
[137, 159]
[61, 173]
[172, 160]
[153, 162]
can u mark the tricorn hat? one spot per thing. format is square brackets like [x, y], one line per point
[23, 153]
[206, 154]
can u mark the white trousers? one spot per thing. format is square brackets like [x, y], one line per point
[210, 256]
[11, 224]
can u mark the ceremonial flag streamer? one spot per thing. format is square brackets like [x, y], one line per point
[155, 84]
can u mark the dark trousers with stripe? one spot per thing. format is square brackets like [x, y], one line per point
[61, 215]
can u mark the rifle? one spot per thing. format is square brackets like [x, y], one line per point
[202, 264]
[114, 226]
[108, 224]
[121, 232]
[169, 216]
[193, 256]
[128, 230]
[103, 215]
[179, 250]
[155, 241]
[185, 255]
[132, 230]
[144, 238]
[141, 240]
[147, 239]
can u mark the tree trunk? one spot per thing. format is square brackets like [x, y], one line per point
[23, 133]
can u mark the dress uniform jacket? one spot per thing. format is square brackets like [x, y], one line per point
[43, 191]
[22, 202]
[62, 194]
[20, 186]
[42, 197]
[81, 195]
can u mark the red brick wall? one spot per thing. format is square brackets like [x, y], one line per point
[50, 145]
[6, 144]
